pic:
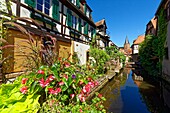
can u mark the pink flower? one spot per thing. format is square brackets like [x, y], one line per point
[61, 83]
[86, 88]
[81, 110]
[51, 91]
[96, 83]
[44, 83]
[81, 97]
[89, 79]
[67, 64]
[81, 82]
[72, 96]
[51, 102]
[51, 78]
[91, 84]
[41, 72]
[24, 80]
[58, 90]
[24, 90]
[66, 76]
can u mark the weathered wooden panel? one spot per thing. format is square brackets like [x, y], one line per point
[17, 59]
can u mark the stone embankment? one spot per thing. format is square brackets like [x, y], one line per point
[103, 80]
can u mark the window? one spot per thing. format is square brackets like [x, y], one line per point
[74, 19]
[166, 53]
[73, 1]
[44, 6]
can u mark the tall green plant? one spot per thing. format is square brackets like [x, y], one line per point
[100, 57]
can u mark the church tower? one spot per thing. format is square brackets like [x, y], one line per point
[126, 44]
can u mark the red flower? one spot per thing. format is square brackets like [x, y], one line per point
[44, 83]
[41, 72]
[86, 88]
[100, 95]
[51, 78]
[61, 83]
[51, 91]
[24, 80]
[58, 90]
[72, 96]
[24, 90]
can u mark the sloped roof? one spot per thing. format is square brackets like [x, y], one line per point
[154, 22]
[101, 22]
[126, 40]
[139, 40]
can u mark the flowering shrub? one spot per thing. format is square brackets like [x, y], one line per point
[59, 88]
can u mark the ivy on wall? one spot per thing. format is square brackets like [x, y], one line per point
[162, 34]
[152, 49]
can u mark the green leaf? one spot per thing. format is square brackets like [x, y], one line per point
[64, 97]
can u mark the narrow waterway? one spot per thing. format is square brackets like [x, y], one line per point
[130, 93]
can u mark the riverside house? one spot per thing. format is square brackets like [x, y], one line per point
[136, 46]
[151, 27]
[102, 38]
[165, 6]
[68, 21]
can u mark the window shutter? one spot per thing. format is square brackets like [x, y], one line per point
[80, 27]
[85, 9]
[86, 28]
[55, 10]
[31, 3]
[69, 18]
[78, 3]
[94, 33]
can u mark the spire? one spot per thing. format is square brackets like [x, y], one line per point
[126, 40]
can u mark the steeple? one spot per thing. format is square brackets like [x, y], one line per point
[126, 40]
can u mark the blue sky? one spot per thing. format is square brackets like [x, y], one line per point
[124, 17]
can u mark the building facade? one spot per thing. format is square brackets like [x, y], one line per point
[102, 37]
[165, 6]
[136, 46]
[151, 27]
[68, 21]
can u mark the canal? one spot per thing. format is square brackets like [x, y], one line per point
[131, 93]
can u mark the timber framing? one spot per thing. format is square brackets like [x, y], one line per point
[46, 19]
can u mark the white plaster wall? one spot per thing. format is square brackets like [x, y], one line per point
[81, 50]
[24, 12]
[135, 49]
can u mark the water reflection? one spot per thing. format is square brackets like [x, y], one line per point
[130, 93]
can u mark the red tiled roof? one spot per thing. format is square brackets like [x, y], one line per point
[139, 40]
[101, 22]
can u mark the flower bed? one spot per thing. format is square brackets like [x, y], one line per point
[55, 89]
